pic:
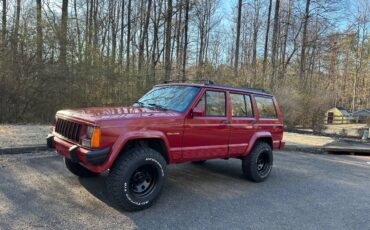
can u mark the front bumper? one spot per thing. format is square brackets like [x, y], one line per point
[76, 153]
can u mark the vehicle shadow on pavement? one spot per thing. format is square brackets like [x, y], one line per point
[191, 179]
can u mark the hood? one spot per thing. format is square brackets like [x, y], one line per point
[97, 114]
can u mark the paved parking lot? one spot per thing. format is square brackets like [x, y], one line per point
[304, 191]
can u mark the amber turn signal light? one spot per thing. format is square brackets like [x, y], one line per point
[95, 139]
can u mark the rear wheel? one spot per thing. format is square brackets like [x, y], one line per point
[258, 164]
[136, 179]
[78, 169]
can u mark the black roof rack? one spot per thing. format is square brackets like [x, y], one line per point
[209, 82]
[206, 82]
[242, 88]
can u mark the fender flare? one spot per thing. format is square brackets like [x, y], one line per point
[128, 136]
[254, 138]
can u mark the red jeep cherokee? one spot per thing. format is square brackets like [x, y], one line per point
[172, 123]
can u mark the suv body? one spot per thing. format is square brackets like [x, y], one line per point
[207, 121]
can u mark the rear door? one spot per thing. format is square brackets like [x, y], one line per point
[206, 136]
[242, 126]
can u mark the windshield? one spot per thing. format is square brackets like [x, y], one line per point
[176, 98]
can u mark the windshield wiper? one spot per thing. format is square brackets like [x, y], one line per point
[157, 106]
[139, 103]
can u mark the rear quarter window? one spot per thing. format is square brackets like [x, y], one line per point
[265, 107]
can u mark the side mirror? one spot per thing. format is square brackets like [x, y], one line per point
[197, 112]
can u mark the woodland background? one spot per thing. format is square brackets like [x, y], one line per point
[54, 54]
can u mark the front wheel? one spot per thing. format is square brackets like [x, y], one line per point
[258, 164]
[136, 179]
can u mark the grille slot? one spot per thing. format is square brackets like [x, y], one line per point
[68, 129]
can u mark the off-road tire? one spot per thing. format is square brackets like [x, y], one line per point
[78, 169]
[198, 162]
[132, 171]
[251, 164]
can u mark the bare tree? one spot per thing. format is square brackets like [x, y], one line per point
[3, 32]
[274, 45]
[63, 33]
[256, 25]
[120, 55]
[39, 31]
[168, 64]
[128, 40]
[265, 52]
[237, 42]
[184, 59]
[304, 41]
[16, 29]
[144, 36]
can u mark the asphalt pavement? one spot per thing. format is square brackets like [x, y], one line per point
[304, 191]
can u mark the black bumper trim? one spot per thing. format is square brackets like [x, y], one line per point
[73, 153]
[49, 141]
[96, 157]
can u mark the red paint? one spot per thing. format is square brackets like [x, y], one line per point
[186, 137]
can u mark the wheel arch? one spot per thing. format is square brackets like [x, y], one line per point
[155, 143]
[259, 137]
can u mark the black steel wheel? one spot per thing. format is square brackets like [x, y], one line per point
[257, 165]
[136, 179]
[144, 181]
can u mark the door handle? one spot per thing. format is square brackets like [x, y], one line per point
[225, 122]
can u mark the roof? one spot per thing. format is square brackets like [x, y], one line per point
[218, 86]
[342, 110]
[362, 112]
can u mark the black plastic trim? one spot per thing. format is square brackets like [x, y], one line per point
[96, 157]
[49, 141]
[73, 153]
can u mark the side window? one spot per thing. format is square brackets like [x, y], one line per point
[248, 103]
[241, 105]
[266, 108]
[214, 103]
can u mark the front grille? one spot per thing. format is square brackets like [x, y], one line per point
[68, 129]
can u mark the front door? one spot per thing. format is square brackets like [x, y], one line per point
[206, 133]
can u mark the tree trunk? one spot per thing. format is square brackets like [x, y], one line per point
[128, 36]
[255, 37]
[184, 59]
[302, 70]
[237, 43]
[79, 45]
[274, 45]
[178, 36]
[168, 63]
[114, 32]
[120, 61]
[16, 29]
[283, 55]
[39, 31]
[265, 52]
[3, 32]
[63, 37]
[144, 37]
